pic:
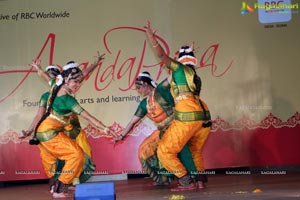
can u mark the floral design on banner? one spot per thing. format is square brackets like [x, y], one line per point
[143, 128]
[246, 122]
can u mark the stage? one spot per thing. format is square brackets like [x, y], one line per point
[232, 186]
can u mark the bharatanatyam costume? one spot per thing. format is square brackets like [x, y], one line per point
[62, 158]
[159, 107]
[74, 131]
[187, 127]
[55, 144]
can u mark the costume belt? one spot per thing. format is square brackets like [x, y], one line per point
[189, 116]
[64, 121]
[182, 97]
[48, 135]
[72, 131]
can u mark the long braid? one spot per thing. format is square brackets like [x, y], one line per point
[53, 94]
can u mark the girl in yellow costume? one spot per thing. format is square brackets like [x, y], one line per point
[53, 143]
[191, 115]
[157, 105]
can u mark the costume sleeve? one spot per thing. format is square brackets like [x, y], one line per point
[173, 65]
[73, 105]
[164, 89]
[44, 99]
[141, 111]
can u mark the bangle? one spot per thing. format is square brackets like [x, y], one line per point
[155, 45]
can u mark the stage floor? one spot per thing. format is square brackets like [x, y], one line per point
[220, 186]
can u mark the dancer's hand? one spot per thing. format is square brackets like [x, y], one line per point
[151, 34]
[36, 64]
[118, 138]
[25, 134]
[110, 131]
[99, 58]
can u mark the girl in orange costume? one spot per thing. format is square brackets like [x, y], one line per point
[158, 106]
[53, 143]
[190, 125]
[72, 130]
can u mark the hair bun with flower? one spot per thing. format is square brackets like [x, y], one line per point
[59, 80]
[186, 56]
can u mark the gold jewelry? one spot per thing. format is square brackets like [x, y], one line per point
[68, 90]
[151, 103]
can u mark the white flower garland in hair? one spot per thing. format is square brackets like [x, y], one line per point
[69, 66]
[148, 76]
[59, 80]
[153, 84]
[186, 50]
[191, 60]
[144, 75]
[52, 67]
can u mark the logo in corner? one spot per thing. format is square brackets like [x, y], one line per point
[246, 8]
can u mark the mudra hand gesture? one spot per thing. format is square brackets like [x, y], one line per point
[25, 134]
[118, 138]
[36, 64]
[110, 131]
[150, 34]
[99, 57]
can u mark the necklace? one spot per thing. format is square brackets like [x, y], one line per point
[151, 104]
[68, 90]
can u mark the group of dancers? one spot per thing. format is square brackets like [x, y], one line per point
[174, 150]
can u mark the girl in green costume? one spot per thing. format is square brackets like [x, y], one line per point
[191, 125]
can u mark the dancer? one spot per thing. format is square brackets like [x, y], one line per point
[74, 130]
[53, 143]
[191, 124]
[157, 105]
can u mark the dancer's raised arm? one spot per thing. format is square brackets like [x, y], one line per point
[155, 44]
[93, 66]
[37, 65]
